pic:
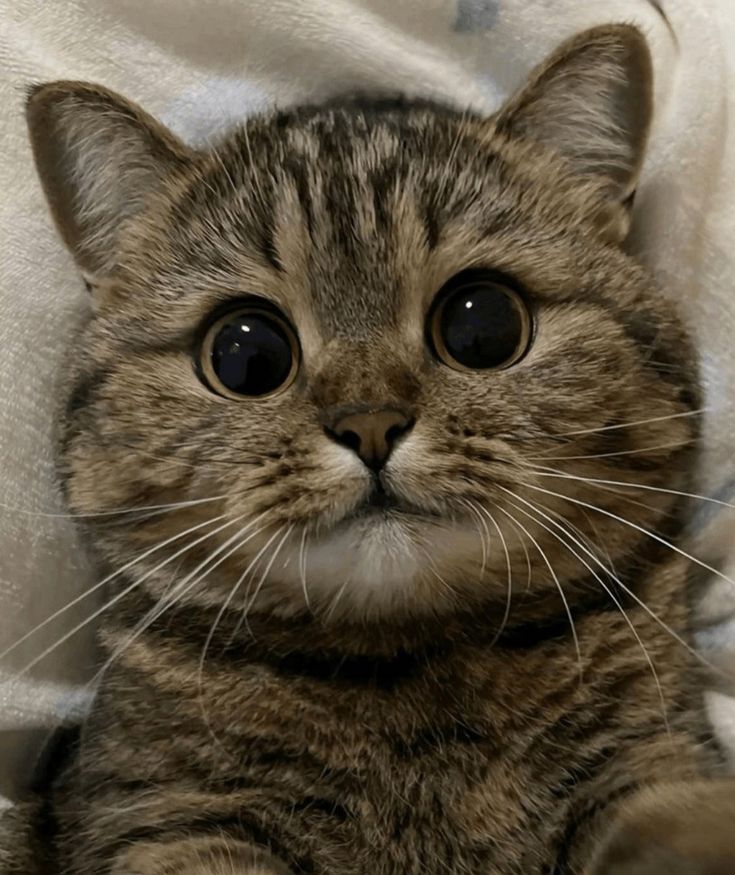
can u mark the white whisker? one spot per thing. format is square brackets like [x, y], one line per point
[266, 572]
[558, 586]
[638, 528]
[176, 593]
[698, 656]
[124, 592]
[509, 591]
[105, 513]
[337, 597]
[218, 619]
[602, 583]
[635, 452]
[245, 574]
[684, 414]
[110, 577]
[633, 595]
[484, 541]
[302, 568]
[433, 569]
[522, 542]
[550, 472]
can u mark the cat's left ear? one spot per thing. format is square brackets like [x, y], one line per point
[591, 102]
[100, 157]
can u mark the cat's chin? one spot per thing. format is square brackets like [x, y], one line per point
[380, 562]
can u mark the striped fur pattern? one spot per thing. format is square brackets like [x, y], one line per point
[495, 677]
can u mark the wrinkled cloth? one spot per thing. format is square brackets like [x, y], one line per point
[202, 65]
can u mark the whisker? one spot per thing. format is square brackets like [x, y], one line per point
[610, 593]
[247, 571]
[682, 415]
[177, 592]
[188, 584]
[509, 590]
[225, 605]
[619, 493]
[655, 617]
[266, 572]
[104, 513]
[335, 601]
[638, 528]
[432, 567]
[573, 528]
[302, 568]
[550, 472]
[601, 546]
[483, 543]
[522, 542]
[545, 558]
[168, 600]
[118, 597]
[635, 452]
[110, 577]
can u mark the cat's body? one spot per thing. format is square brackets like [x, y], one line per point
[398, 597]
[467, 759]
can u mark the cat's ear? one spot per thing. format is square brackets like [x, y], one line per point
[99, 157]
[591, 101]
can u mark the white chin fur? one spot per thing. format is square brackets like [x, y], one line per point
[376, 565]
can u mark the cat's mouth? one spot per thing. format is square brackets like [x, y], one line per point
[382, 501]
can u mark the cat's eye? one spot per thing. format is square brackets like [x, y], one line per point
[249, 352]
[479, 323]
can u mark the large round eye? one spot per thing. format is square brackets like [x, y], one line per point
[480, 323]
[249, 352]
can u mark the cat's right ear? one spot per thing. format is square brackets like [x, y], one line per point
[99, 158]
[591, 102]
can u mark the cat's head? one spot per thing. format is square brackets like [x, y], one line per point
[377, 359]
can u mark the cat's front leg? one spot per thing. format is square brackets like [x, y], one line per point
[675, 829]
[215, 855]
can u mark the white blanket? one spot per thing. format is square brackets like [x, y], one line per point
[200, 65]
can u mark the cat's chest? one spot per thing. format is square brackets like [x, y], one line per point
[421, 789]
[454, 763]
[380, 783]
[384, 755]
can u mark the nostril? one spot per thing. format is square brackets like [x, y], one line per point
[395, 431]
[350, 439]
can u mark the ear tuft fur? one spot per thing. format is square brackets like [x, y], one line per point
[99, 157]
[591, 102]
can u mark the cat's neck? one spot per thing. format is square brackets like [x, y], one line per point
[228, 633]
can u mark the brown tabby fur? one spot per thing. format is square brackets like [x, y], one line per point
[390, 693]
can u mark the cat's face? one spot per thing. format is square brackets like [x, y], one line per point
[367, 347]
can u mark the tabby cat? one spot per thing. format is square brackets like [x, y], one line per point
[381, 436]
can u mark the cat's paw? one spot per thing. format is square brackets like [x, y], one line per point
[681, 829]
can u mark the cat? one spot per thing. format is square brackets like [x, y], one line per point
[383, 435]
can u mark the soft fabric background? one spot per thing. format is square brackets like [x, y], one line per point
[202, 64]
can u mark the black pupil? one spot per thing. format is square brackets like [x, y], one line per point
[251, 354]
[482, 326]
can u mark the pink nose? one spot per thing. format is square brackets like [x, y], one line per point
[371, 435]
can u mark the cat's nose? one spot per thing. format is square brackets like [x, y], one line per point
[371, 435]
